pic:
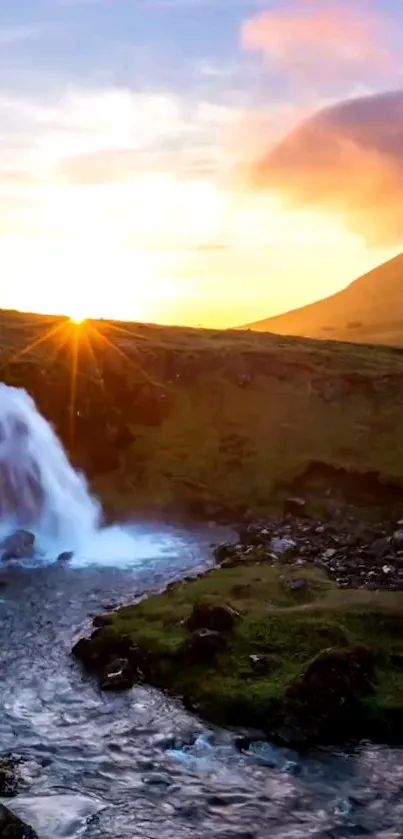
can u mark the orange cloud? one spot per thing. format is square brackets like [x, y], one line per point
[322, 40]
[346, 160]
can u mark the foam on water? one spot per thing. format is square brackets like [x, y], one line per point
[40, 491]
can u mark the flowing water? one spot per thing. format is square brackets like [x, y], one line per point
[136, 764]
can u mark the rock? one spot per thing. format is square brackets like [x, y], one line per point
[291, 767]
[326, 697]
[102, 620]
[19, 545]
[11, 827]
[341, 670]
[157, 779]
[103, 647]
[253, 534]
[329, 553]
[219, 617]
[8, 776]
[297, 585]
[294, 507]
[263, 663]
[65, 556]
[380, 546]
[398, 538]
[282, 545]
[203, 645]
[117, 675]
[224, 551]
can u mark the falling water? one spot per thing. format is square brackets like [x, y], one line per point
[40, 490]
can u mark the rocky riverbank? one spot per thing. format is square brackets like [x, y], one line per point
[11, 827]
[296, 632]
[353, 554]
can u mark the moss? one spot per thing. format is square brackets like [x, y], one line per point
[291, 629]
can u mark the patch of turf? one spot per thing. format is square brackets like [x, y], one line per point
[286, 628]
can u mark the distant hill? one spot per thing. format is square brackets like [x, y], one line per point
[369, 310]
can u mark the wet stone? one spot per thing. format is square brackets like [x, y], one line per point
[117, 675]
[297, 585]
[65, 556]
[19, 545]
[11, 827]
[8, 776]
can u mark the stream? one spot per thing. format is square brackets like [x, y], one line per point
[120, 766]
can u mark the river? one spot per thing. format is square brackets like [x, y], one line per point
[136, 764]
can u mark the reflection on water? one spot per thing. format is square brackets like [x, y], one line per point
[137, 765]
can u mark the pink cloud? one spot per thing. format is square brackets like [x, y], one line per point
[329, 40]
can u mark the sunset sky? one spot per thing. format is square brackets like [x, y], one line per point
[143, 170]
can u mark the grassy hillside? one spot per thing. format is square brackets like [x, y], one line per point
[204, 421]
[368, 310]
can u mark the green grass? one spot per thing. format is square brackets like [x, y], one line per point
[290, 627]
[210, 421]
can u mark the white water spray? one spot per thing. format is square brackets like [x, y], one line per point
[40, 490]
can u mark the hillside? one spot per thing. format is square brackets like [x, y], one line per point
[370, 310]
[214, 423]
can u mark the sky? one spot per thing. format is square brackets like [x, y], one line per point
[202, 162]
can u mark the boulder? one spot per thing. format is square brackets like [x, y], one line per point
[218, 617]
[295, 507]
[297, 585]
[380, 547]
[119, 674]
[19, 545]
[224, 551]
[203, 646]
[8, 776]
[253, 534]
[283, 546]
[103, 647]
[65, 556]
[325, 701]
[263, 663]
[11, 827]
[339, 674]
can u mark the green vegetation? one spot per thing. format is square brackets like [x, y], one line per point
[202, 421]
[263, 673]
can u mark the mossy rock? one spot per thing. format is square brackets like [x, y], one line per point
[335, 656]
[9, 776]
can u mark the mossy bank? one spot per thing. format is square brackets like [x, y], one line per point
[209, 423]
[274, 648]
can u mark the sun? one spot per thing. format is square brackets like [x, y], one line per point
[76, 316]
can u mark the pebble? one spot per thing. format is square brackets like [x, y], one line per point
[353, 555]
[157, 779]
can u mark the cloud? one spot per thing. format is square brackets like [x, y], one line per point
[11, 35]
[318, 42]
[346, 160]
[126, 162]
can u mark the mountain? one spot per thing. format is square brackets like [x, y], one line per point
[369, 310]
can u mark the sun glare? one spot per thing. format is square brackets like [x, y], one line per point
[77, 318]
